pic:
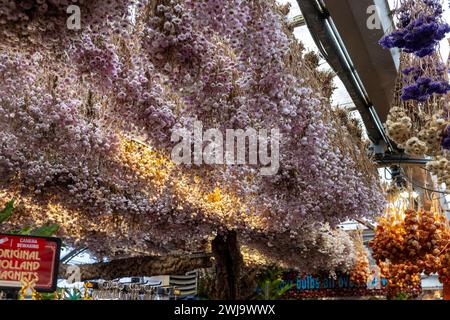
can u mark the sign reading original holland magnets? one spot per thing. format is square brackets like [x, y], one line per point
[30, 258]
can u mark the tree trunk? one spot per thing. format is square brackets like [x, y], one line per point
[229, 262]
[141, 266]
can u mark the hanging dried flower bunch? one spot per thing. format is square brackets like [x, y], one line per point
[359, 275]
[408, 242]
[419, 29]
[402, 278]
[419, 118]
[418, 125]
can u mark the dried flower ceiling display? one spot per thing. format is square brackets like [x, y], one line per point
[87, 118]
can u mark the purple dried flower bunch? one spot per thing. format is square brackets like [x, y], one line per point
[418, 121]
[419, 30]
[424, 80]
[419, 115]
[420, 27]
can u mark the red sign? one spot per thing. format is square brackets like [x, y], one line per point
[31, 258]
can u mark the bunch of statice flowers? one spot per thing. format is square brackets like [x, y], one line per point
[420, 27]
[422, 82]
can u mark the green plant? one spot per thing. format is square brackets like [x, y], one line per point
[44, 231]
[47, 230]
[7, 211]
[47, 296]
[73, 294]
[271, 286]
[401, 296]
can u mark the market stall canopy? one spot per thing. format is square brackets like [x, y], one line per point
[341, 32]
[376, 66]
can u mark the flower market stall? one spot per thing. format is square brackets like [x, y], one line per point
[165, 137]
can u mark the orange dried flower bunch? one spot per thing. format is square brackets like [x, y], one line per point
[402, 277]
[361, 272]
[407, 244]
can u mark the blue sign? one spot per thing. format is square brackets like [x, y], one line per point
[312, 282]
